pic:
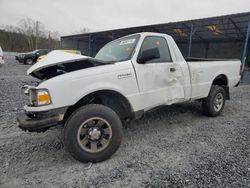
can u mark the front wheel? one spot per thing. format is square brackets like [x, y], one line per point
[214, 103]
[93, 133]
[29, 61]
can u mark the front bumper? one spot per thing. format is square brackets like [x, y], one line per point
[40, 121]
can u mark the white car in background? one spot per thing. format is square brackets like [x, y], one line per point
[1, 56]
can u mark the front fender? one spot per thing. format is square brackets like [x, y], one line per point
[68, 89]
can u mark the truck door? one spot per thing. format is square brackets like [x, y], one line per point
[159, 80]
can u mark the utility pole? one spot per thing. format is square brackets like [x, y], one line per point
[37, 29]
[49, 41]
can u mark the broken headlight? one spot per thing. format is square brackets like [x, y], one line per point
[39, 97]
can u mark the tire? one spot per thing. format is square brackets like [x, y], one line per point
[214, 103]
[29, 61]
[92, 124]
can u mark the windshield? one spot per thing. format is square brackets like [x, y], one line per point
[33, 52]
[118, 50]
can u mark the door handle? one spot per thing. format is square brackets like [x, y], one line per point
[172, 69]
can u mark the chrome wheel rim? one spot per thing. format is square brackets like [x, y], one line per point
[94, 135]
[218, 102]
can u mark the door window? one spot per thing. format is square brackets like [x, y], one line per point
[160, 43]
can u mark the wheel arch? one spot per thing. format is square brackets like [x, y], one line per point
[222, 80]
[107, 97]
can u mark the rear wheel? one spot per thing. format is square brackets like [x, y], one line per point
[214, 103]
[93, 133]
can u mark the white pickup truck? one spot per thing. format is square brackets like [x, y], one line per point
[91, 97]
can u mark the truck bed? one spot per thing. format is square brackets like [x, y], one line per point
[203, 72]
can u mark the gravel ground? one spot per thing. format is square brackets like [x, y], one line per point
[174, 146]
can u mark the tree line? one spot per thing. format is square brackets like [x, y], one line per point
[28, 35]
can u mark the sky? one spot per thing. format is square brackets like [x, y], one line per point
[69, 16]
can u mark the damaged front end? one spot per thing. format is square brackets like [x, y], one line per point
[57, 63]
[40, 121]
[39, 113]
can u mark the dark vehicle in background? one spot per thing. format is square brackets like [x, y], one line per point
[31, 57]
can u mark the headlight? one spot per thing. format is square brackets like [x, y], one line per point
[39, 97]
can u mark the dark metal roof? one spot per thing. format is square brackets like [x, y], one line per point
[220, 28]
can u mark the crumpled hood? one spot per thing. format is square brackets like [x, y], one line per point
[55, 57]
[58, 62]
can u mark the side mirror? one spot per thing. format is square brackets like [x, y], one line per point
[148, 55]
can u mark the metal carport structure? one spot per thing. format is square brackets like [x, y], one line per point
[194, 37]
